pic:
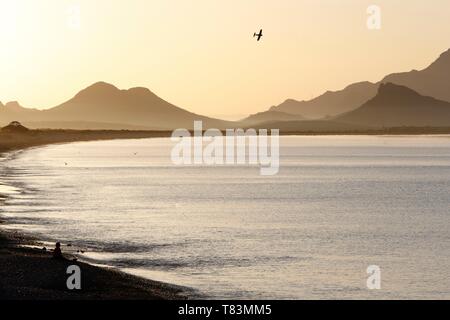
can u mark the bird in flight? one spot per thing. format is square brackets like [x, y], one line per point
[259, 35]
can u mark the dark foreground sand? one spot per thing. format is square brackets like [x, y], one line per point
[32, 274]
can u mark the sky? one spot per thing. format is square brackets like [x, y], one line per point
[201, 55]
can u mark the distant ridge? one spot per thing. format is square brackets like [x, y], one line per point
[386, 103]
[103, 103]
[433, 81]
[313, 126]
[269, 116]
[330, 103]
[396, 106]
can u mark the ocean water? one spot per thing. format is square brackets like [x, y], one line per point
[338, 205]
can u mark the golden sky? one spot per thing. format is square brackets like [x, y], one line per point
[200, 54]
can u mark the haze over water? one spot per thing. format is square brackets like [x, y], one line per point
[338, 205]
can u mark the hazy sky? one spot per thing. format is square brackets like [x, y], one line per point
[200, 54]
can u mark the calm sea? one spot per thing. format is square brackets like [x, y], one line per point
[338, 205]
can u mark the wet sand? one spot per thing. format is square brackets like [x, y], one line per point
[32, 274]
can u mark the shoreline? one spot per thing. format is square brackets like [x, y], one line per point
[21, 275]
[32, 274]
[12, 141]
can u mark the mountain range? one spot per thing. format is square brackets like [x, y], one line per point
[104, 106]
[399, 106]
[415, 98]
[433, 81]
[330, 103]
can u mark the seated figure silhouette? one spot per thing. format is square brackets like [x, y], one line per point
[57, 253]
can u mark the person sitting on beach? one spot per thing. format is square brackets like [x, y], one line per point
[57, 253]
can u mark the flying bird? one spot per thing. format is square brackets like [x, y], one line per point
[259, 35]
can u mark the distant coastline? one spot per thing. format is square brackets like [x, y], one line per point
[10, 141]
[413, 131]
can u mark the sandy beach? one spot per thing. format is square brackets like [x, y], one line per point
[32, 274]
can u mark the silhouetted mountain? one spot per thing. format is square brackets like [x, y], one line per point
[13, 111]
[312, 126]
[269, 116]
[14, 127]
[330, 103]
[396, 106]
[85, 125]
[104, 104]
[14, 106]
[434, 81]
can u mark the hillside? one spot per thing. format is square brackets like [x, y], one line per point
[396, 106]
[433, 81]
[330, 103]
[103, 106]
[262, 117]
